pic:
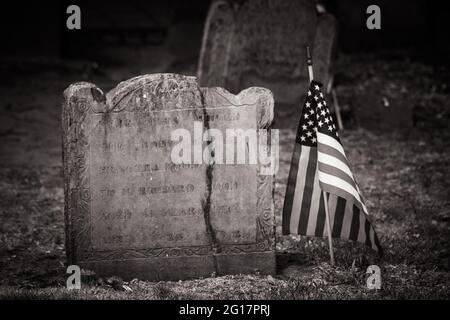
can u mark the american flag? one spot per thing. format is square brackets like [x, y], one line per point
[319, 165]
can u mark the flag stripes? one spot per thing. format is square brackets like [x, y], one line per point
[316, 201]
[321, 218]
[334, 171]
[328, 183]
[349, 222]
[298, 169]
[290, 188]
[332, 152]
[338, 164]
[339, 213]
[331, 142]
[308, 191]
[354, 228]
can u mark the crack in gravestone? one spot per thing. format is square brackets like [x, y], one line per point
[206, 203]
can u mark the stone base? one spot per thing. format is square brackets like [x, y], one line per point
[183, 268]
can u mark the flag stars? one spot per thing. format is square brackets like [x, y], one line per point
[315, 117]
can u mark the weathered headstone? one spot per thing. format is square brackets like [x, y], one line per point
[131, 211]
[263, 43]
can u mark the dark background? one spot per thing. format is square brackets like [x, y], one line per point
[38, 28]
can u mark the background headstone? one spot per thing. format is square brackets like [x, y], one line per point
[130, 211]
[263, 43]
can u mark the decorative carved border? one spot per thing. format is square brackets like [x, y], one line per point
[123, 254]
[76, 110]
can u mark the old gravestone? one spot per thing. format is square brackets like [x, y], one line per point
[263, 43]
[130, 211]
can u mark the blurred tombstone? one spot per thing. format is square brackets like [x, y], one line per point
[132, 211]
[263, 43]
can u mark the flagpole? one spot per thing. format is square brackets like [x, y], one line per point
[309, 64]
[325, 200]
[327, 218]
